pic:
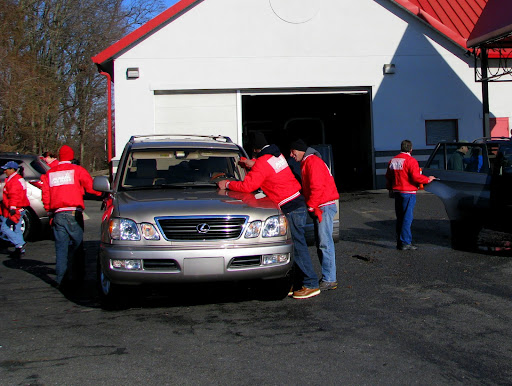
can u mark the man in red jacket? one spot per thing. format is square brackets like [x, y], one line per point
[270, 172]
[319, 189]
[14, 202]
[403, 176]
[63, 191]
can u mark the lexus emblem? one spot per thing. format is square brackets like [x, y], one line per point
[203, 228]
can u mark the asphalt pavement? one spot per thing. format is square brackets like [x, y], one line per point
[431, 316]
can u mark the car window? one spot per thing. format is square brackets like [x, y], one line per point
[461, 157]
[178, 167]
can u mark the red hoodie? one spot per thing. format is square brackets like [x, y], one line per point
[403, 174]
[14, 196]
[64, 185]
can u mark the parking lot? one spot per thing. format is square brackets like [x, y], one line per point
[432, 316]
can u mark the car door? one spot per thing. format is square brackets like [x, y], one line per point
[464, 190]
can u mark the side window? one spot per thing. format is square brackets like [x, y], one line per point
[438, 160]
[460, 157]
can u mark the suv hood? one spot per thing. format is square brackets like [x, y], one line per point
[145, 205]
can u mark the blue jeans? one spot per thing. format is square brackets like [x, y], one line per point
[13, 232]
[297, 221]
[325, 243]
[404, 207]
[68, 237]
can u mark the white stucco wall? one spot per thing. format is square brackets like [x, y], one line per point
[239, 45]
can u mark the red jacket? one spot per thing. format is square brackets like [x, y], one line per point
[318, 185]
[14, 197]
[404, 175]
[64, 185]
[273, 175]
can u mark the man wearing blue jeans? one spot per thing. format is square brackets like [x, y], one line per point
[270, 172]
[403, 176]
[321, 194]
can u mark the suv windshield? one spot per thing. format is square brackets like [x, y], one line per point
[176, 167]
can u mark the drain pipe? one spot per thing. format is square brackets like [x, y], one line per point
[109, 121]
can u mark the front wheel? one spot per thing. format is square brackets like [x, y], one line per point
[109, 292]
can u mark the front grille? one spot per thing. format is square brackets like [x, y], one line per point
[202, 228]
[161, 264]
[245, 261]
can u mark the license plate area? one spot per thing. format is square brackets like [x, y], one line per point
[203, 266]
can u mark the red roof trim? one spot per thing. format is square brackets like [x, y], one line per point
[425, 16]
[142, 31]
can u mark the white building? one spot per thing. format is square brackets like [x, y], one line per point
[359, 75]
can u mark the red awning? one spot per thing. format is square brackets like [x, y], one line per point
[494, 27]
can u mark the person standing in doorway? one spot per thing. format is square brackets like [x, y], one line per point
[270, 172]
[63, 191]
[403, 176]
[14, 202]
[321, 194]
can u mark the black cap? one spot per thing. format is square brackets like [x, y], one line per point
[299, 144]
[258, 140]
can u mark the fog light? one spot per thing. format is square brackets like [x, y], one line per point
[276, 258]
[132, 265]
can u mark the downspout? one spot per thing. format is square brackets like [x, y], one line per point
[109, 121]
[485, 91]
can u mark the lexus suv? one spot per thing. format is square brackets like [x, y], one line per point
[165, 221]
[475, 184]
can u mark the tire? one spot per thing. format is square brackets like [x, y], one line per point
[464, 234]
[109, 293]
[29, 225]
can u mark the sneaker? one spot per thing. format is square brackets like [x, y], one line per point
[328, 285]
[18, 253]
[407, 247]
[305, 293]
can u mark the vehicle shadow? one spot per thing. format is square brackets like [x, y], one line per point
[430, 232]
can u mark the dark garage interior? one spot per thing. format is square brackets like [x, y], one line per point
[339, 119]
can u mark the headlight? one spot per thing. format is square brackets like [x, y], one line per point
[253, 230]
[149, 231]
[275, 226]
[123, 229]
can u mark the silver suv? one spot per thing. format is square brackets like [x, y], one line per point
[166, 222]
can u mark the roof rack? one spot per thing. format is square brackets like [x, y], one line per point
[486, 139]
[144, 138]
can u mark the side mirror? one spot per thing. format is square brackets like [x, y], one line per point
[101, 184]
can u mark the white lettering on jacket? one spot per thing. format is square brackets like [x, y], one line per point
[278, 163]
[62, 177]
[397, 164]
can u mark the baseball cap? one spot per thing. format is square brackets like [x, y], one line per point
[10, 165]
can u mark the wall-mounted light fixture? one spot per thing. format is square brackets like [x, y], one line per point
[132, 73]
[388, 69]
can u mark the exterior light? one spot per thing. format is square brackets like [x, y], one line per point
[132, 73]
[388, 69]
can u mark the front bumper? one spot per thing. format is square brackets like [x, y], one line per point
[171, 265]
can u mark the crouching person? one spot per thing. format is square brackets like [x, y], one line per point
[14, 202]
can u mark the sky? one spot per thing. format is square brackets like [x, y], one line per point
[168, 3]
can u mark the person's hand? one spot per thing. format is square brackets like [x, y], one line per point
[430, 179]
[222, 184]
[246, 163]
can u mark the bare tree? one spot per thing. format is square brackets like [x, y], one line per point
[50, 91]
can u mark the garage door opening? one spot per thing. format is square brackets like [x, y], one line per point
[339, 119]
